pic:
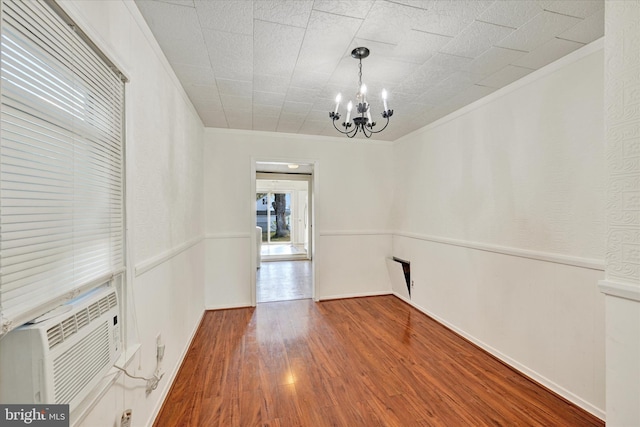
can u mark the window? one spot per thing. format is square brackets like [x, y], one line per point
[61, 163]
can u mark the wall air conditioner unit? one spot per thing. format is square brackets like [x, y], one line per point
[61, 359]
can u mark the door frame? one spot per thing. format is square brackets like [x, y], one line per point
[313, 202]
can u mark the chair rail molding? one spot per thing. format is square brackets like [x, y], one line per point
[628, 291]
[155, 261]
[593, 264]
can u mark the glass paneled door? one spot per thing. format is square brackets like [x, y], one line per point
[273, 215]
[282, 213]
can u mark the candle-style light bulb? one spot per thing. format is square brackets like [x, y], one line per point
[349, 107]
[369, 114]
[338, 99]
[384, 99]
[360, 95]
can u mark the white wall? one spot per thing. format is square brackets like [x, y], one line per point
[164, 206]
[500, 210]
[622, 279]
[351, 202]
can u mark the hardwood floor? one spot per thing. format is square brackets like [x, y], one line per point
[356, 362]
[283, 280]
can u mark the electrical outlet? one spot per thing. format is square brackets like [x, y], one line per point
[125, 421]
[159, 348]
[412, 283]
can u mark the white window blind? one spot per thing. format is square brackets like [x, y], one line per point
[61, 164]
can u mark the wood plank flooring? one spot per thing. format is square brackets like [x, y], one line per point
[356, 362]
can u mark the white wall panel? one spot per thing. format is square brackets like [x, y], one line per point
[353, 265]
[524, 170]
[544, 318]
[500, 210]
[227, 276]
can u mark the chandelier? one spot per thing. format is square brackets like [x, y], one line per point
[362, 119]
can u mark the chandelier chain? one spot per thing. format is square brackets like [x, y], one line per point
[360, 74]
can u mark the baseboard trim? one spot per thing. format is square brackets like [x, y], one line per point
[355, 295]
[169, 384]
[592, 264]
[228, 307]
[530, 373]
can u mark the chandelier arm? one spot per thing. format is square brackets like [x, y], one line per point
[385, 126]
[349, 133]
[334, 125]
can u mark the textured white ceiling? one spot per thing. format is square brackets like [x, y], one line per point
[277, 65]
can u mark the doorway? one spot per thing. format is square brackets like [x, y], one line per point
[284, 238]
[282, 214]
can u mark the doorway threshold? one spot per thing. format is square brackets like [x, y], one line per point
[285, 257]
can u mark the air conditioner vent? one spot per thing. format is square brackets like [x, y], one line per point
[104, 305]
[54, 335]
[113, 301]
[94, 311]
[69, 327]
[72, 324]
[82, 318]
[73, 369]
